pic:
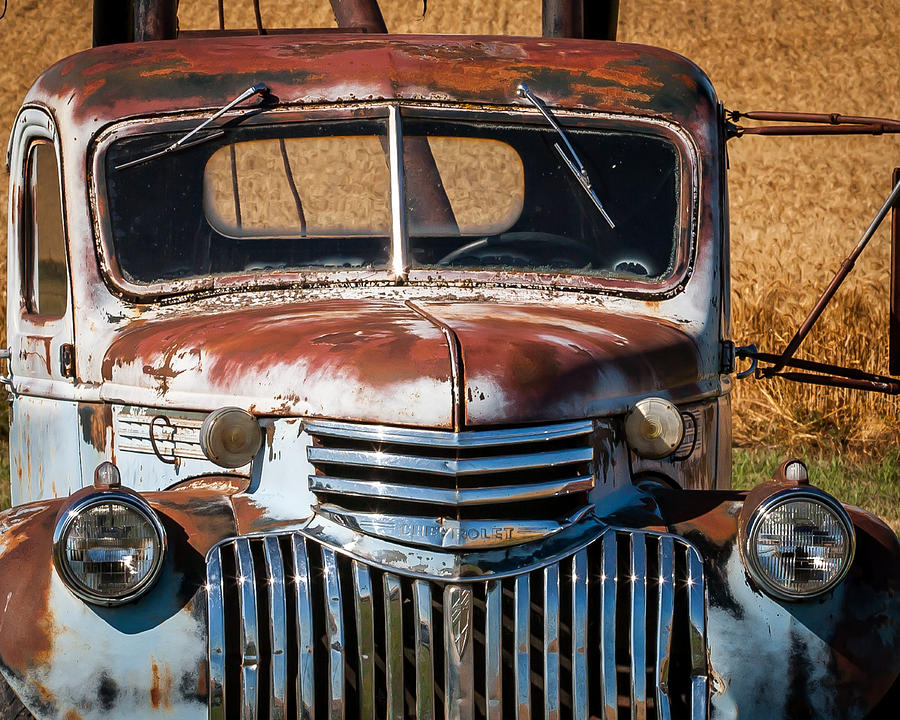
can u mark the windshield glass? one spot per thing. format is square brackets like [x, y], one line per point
[315, 196]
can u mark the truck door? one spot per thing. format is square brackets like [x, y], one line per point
[44, 459]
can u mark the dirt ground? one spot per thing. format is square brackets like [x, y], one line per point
[798, 206]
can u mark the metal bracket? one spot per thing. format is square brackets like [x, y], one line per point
[174, 460]
[726, 363]
[6, 354]
[747, 351]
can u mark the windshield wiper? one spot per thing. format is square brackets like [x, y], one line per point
[573, 162]
[181, 143]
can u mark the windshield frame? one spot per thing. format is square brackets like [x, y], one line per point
[399, 271]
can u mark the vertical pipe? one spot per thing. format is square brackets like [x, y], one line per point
[359, 14]
[562, 18]
[894, 352]
[155, 20]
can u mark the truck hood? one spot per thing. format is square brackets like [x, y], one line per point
[427, 364]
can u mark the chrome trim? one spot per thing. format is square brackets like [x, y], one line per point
[334, 626]
[579, 635]
[551, 643]
[60, 534]
[399, 239]
[697, 631]
[664, 616]
[492, 639]
[485, 620]
[215, 608]
[445, 533]
[277, 628]
[522, 644]
[448, 467]
[249, 630]
[459, 497]
[424, 638]
[446, 439]
[782, 497]
[305, 690]
[365, 635]
[638, 636]
[393, 656]
[609, 579]
[459, 677]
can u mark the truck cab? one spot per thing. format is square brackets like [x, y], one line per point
[388, 376]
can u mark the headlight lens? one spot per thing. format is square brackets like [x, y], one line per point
[109, 547]
[799, 544]
[654, 428]
[230, 437]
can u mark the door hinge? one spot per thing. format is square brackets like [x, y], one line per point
[726, 362]
[67, 360]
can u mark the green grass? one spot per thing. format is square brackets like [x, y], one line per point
[873, 485]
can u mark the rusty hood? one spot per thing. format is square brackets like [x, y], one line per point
[434, 364]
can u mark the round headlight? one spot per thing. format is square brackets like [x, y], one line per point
[230, 437]
[654, 428]
[800, 543]
[108, 548]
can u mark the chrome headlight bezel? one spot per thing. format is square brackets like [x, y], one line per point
[774, 501]
[61, 534]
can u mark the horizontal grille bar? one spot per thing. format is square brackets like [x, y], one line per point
[444, 439]
[439, 496]
[449, 467]
[613, 630]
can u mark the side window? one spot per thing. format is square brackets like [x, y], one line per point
[46, 284]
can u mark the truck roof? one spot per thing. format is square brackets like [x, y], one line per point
[106, 84]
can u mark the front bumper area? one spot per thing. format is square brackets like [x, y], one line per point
[429, 632]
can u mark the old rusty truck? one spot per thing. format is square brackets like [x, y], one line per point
[357, 375]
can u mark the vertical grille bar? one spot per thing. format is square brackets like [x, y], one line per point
[334, 628]
[277, 629]
[664, 617]
[215, 605]
[249, 630]
[522, 622]
[365, 634]
[424, 648]
[393, 654]
[579, 636]
[551, 642]
[494, 650]
[638, 634]
[697, 629]
[306, 698]
[609, 580]
[459, 679]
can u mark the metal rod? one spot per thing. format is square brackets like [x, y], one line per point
[399, 240]
[832, 288]
[894, 322]
[359, 14]
[155, 20]
[818, 367]
[826, 118]
[785, 130]
[562, 18]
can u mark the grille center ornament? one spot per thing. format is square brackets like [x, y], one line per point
[459, 603]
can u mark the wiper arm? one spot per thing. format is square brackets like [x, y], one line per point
[258, 89]
[573, 162]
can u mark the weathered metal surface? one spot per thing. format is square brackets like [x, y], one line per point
[834, 656]
[41, 468]
[359, 14]
[69, 659]
[349, 359]
[528, 364]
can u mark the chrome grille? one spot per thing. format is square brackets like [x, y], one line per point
[468, 475]
[614, 630]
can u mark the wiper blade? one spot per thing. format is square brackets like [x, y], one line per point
[258, 89]
[573, 162]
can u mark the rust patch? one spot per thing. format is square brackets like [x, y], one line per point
[160, 687]
[94, 420]
[72, 715]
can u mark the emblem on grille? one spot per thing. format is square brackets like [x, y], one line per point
[459, 603]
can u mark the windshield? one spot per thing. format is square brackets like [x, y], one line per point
[316, 196]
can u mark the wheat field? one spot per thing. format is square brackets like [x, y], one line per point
[798, 205]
